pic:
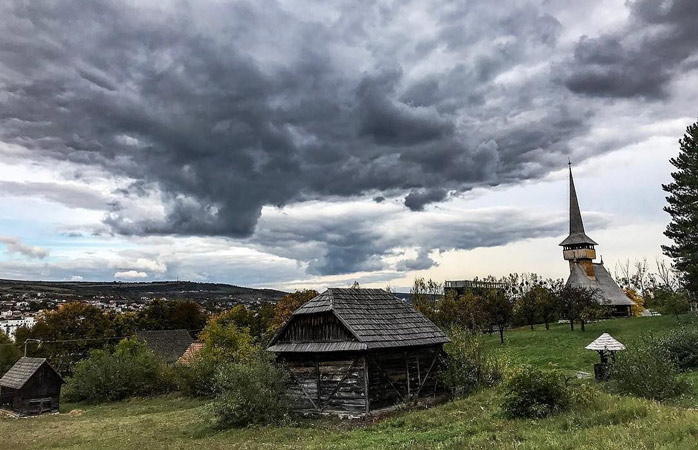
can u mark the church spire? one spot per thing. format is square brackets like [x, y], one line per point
[576, 224]
[577, 234]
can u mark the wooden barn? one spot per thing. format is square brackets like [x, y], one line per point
[31, 386]
[353, 351]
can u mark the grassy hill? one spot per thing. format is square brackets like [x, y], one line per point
[475, 422]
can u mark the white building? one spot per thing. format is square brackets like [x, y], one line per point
[9, 327]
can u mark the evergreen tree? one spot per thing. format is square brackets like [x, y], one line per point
[683, 208]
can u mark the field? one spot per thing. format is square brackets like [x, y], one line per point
[474, 422]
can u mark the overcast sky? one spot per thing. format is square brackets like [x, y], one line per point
[299, 144]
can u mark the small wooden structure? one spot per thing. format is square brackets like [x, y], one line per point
[353, 351]
[170, 345]
[31, 387]
[607, 347]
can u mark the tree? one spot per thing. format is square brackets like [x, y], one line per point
[161, 314]
[683, 194]
[9, 353]
[68, 334]
[672, 303]
[526, 307]
[498, 309]
[579, 304]
[547, 302]
[288, 304]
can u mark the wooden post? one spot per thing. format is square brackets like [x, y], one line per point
[317, 380]
[407, 368]
[366, 385]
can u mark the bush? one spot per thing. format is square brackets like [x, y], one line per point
[252, 393]
[534, 393]
[466, 365]
[646, 370]
[224, 343]
[132, 370]
[681, 347]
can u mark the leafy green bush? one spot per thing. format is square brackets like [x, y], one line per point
[534, 393]
[466, 364]
[224, 343]
[646, 370]
[251, 393]
[132, 370]
[681, 346]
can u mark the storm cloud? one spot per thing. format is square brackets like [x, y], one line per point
[224, 108]
[200, 116]
[641, 59]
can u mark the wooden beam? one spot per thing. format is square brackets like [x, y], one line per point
[303, 389]
[407, 368]
[366, 385]
[390, 382]
[426, 377]
[336, 388]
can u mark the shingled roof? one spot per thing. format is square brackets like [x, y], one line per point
[376, 318]
[604, 283]
[22, 371]
[168, 344]
[605, 342]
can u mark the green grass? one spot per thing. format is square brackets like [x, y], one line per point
[475, 422]
[565, 350]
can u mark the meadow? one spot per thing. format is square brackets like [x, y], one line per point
[613, 422]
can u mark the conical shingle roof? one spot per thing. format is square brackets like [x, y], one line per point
[577, 234]
[605, 342]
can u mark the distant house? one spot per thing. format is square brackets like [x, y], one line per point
[353, 351]
[170, 345]
[191, 353]
[31, 386]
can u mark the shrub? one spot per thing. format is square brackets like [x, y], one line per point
[534, 393]
[681, 347]
[646, 370]
[466, 365]
[251, 393]
[132, 370]
[224, 343]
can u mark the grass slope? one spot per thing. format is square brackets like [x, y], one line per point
[475, 422]
[565, 350]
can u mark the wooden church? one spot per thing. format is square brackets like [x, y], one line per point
[579, 250]
[354, 351]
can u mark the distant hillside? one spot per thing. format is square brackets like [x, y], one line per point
[132, 291]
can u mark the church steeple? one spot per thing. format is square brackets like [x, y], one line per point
[578, 248]
[577, 234]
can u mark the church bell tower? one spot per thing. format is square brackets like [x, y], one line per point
[578, 248]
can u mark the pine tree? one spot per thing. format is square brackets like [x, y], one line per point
[683, 208]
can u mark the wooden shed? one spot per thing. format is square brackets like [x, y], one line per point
[31, 386]
[170, 345]
[353, 351]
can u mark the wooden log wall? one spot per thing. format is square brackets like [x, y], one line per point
[315, 328]
[327, 384]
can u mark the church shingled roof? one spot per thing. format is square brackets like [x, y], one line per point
[376, 318]
[170, 345]
[604, 283]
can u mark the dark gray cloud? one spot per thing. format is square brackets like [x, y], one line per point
[641, 59]
[226, 108]
[421, 262]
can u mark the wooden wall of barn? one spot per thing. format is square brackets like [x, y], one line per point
[327, 383]
[399, 375]
[315, 328]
